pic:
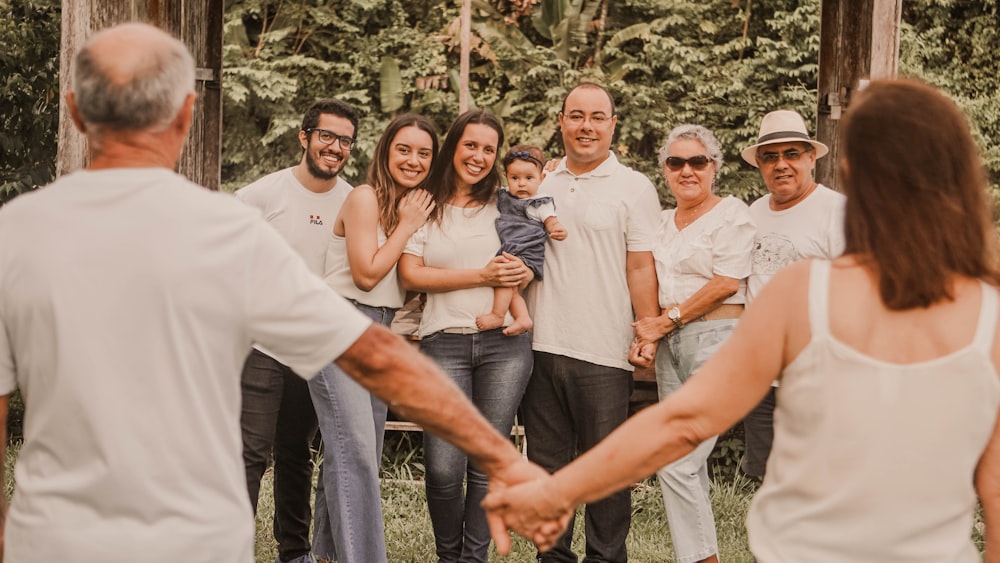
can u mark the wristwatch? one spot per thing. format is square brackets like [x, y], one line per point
[674, 314]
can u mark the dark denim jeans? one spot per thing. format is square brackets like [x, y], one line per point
[570, 405]
[492, 370]
[348, 525]
[278, 415]
[758, 431]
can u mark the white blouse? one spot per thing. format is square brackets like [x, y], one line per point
[717, 243]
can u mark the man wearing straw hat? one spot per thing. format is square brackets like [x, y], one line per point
[797, 219]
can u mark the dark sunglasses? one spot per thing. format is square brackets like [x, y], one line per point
[697, 162]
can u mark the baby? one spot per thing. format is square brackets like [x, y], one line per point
[526, 220]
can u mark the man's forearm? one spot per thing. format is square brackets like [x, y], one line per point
[415, 388]
[640, 274]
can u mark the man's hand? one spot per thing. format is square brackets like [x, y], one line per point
[530, 509]
[642, 354]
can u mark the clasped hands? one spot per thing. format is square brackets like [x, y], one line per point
[648, 332]
[524, 500]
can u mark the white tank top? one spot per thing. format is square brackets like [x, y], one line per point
[386, 293]
[874, 461]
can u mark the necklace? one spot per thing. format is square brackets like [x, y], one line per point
[692, 213]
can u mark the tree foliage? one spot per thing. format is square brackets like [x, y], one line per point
[29, 103]
[719, 63]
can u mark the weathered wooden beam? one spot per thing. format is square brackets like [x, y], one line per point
[859, 41]
[198, 23]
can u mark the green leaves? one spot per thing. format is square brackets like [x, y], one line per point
[29, 94]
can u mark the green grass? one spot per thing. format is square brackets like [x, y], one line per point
[409, 538]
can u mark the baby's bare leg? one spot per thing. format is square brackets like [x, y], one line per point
[501, 302]
[522, 320]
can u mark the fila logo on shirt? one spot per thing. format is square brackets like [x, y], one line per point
[315, 220]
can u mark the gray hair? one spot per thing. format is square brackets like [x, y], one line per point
[694, 133]
[134, 91]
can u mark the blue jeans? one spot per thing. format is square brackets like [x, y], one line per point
[685, 482]
[348, 525]
[492, 370]
[571, 405]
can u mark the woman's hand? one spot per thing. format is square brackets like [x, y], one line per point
[414, 208]
[505, 270]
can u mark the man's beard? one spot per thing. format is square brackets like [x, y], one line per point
[318, 172]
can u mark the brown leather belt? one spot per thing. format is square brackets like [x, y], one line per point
[724, 311]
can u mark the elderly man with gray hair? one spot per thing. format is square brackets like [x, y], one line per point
[127, 318]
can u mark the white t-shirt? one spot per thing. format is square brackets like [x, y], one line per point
[127, 305]
[466, 238]
[813, 228]
[305, 218]
[717, 243]
[583, 309]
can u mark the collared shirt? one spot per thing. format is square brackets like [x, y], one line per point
[583, 309]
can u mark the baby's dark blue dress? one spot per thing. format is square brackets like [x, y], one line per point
[520, 235]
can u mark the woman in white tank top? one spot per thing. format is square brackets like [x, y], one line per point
[368, 236]
[886, 421]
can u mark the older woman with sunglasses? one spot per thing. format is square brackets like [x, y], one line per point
[702, 262]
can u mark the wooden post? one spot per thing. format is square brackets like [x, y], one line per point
[463, 66]
[859, 41]
[198, 23]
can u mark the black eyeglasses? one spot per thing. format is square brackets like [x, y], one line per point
[328, 137]
[697, 162]
[790, 155]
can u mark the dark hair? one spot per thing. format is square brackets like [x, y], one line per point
[379, 177]
[591, 85]
[529, 153]
[442, 182]
[917, 207]
[332, 107]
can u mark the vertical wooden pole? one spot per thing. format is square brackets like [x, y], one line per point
[198, 23]
[859, 41]
[466, 46]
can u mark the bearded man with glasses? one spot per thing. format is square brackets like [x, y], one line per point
[797, 219]
[301, 202]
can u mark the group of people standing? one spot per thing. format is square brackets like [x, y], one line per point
[126, 339]
[439, 218]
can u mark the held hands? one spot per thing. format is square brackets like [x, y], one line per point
[414, 208]
[648, 332]
[530, 509]
[505, 270]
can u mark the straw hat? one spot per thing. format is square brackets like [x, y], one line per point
[782, 126]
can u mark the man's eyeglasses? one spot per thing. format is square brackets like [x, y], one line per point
[790, 155]
[697, 162]
[598, 119]
[328, 137]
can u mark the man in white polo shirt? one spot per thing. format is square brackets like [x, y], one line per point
[797, 219]
[583, 310]
[126, 320]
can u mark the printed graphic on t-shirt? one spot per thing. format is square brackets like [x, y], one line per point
[772, 252]
[315, 220]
